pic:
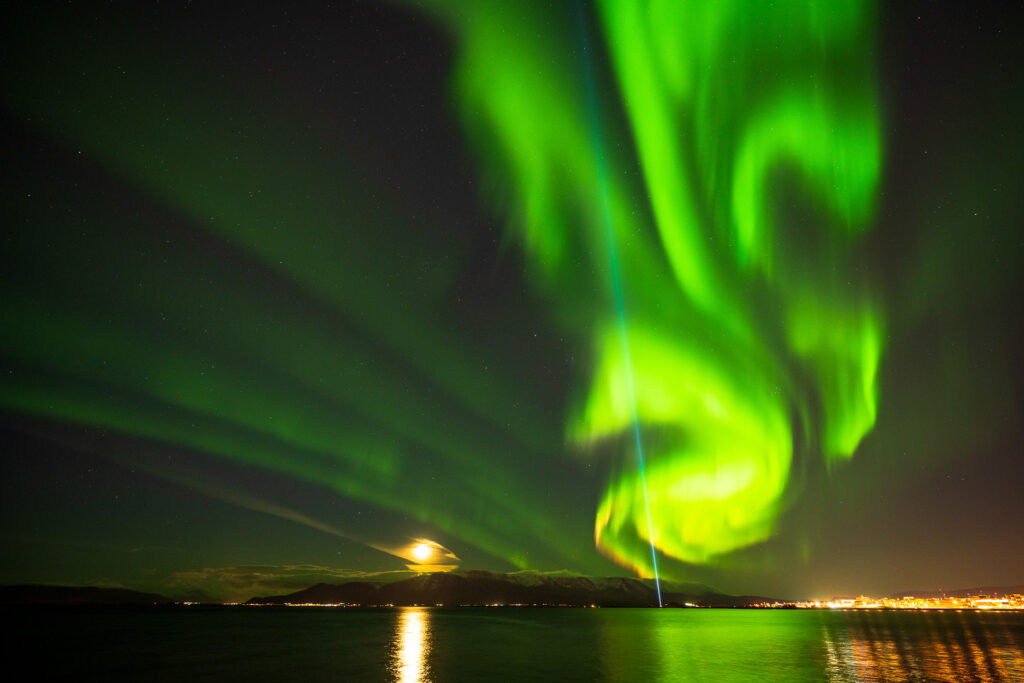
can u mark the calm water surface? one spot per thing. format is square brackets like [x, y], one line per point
[532, 644]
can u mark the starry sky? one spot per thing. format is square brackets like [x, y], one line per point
[733, 287]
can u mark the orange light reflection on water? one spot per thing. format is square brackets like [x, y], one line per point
[942, 647]
[411, 646]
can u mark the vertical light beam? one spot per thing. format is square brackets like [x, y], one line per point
[607, 221]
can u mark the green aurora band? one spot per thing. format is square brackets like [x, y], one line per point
[753, 330]
[289, 323]
[261, 328]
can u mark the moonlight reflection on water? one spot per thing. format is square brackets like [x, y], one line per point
[411, 645]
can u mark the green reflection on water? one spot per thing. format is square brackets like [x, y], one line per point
[720, 645]
[527, 644]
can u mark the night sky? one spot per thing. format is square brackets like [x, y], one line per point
[288, 290]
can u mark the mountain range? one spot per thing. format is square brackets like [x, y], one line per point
[493, 588]
[457, 588]
[76, 595]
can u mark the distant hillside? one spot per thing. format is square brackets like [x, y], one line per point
[489, 588]
[75, 595]
[994, 591]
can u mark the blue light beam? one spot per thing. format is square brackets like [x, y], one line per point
[613, 258]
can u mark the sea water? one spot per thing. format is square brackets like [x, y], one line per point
[515, 644]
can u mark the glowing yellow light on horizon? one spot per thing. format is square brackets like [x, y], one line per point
[422, 552]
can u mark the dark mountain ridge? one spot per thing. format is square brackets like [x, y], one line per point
[492, 588]
[75, 595]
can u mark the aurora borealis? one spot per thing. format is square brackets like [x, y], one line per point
[309, 286]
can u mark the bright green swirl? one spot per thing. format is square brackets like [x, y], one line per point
[713, 484]
[737, 148]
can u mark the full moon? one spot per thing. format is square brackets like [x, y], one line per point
[422, 552]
